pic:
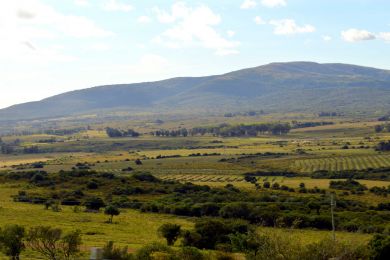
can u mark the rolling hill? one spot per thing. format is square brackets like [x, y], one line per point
[282, 87]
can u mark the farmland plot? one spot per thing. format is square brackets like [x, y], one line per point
[342, 163]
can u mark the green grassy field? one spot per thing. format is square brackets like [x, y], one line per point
[221, 161]
[131, 228]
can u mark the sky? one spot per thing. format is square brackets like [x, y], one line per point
[49, 47]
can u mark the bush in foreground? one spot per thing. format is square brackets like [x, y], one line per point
[11, 241]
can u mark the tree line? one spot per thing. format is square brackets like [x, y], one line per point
[226, 130]
[296, 124]
[114, 132]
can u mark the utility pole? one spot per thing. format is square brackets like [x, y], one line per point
[332, 205]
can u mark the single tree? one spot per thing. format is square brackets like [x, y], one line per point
[170, 232]
[50, 243]
[45, 240]
[112, 211]
[70, 244]
[11, 241]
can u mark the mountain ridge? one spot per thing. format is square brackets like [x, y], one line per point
[279, 86]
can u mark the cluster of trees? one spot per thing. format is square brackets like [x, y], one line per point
[62, 132]
[31, 149]
[381, 191]
[276, 210]
[12, 147]
[382, 128]
[7, 148]
[248, 113]
[384, 118]
[383, 146]
[232, 236]
[296, 124]
[113, 132]
[226, 237]
[263, 208]
[203, 154]
[82, 186]
[365, 174]
[49, 242]
[183, 132]
[349, 184]
[328, 114]
[223, 236]
[226, 130]
[39, 130]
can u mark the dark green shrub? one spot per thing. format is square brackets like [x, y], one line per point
[114, 253]
[11, 241]
[94, 203]
[380, 247]
[189, 253]
[170, 232]
[112, 211]
[146, 252]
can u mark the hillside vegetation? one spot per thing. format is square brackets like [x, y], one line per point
[294, 86]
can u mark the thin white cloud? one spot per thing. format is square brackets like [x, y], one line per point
[226, 52]
[326, 38]
[24, 24]
[80, 27]
[144, 19]
[178, 10]
[34, 15]
[259, 21]
[99, 47]
[81, 2]
[193, 27]
[384, 36]
[248, 4]
[273, 3]
[152, 60]
[356, 35]
[231, 33]
[115, 5]
[289, 27]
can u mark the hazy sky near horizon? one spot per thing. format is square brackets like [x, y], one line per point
[52, 46]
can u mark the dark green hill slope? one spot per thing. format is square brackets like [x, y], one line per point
[292, 86]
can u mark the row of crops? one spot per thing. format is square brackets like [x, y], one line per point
[342, 163]
[201, 178]
[190, 177]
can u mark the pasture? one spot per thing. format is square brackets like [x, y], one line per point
[347, 145]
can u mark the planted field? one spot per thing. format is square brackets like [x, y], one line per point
[342, 163]
[199, 178]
